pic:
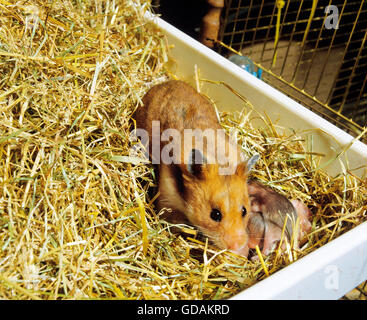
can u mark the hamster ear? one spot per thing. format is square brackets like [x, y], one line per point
[196, 162]
[241, 169]
[244, 167]
[252, 161]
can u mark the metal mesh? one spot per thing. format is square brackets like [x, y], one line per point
[313, 61]
[359, 293]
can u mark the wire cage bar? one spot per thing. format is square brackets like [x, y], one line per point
[313, 50]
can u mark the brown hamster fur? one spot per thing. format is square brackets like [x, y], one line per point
[196, 192]
[267, 217]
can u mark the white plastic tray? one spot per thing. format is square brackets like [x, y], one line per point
[339, 266]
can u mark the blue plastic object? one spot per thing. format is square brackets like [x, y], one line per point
[246, 64]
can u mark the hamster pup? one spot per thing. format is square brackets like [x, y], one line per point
[267, 217]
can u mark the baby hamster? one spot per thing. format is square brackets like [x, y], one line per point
[267, 217]
[194, 182]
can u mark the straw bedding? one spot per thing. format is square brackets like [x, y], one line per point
[77, 216]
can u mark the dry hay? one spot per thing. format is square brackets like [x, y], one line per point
[76, 213]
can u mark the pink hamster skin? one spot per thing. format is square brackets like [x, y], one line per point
[268, 212]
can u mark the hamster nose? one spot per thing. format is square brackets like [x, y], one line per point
[242, 251]
[236, 243]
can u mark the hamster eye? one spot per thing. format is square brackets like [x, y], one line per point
[216, 215]
[244, 211]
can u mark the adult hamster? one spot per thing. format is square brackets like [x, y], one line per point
[202, 176]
